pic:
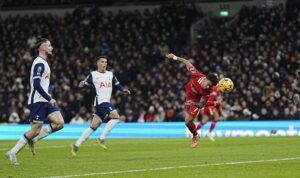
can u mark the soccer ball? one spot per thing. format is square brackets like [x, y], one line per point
[225, 85]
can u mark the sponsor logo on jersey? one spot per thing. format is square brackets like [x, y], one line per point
[105, 85]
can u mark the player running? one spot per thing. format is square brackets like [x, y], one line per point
[198, 86]
[42, 106]
[103, 82]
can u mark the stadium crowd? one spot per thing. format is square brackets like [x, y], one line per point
[259, 50]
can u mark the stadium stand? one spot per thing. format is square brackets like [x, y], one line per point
[259, 49]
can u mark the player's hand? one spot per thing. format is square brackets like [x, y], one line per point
[53, 102]
[170, 56]
[81, 84]
[126, 91]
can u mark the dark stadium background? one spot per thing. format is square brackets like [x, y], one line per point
[258, 48]
[256, 43]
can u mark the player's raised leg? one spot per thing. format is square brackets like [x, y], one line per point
[204, 120]
[57, 123]
[205, 117]
[33, 132]
[212, 126]
[103, 82]
[210, 136]
[189, 122]
[86, 134]
[115, 119]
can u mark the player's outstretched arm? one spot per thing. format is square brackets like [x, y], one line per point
[214, 99]
[126, 91]
[199, 104]
[180, 59]
[118, 86]
[87, 81]
[81, 84]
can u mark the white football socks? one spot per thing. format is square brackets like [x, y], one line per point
[108, 127]
[43, 133]
[85, 135]
[19, 145]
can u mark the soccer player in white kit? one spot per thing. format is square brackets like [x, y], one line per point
[103, 82]
[42, 106]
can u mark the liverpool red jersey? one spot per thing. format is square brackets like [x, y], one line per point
[193, 89]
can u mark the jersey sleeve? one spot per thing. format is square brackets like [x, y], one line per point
[38, 87]
[193, 72]
[211, 101]
[38, 70]
[88, 80]
[117, 84]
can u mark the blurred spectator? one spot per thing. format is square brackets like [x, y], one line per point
[259, 50]
[150, 117]
[160, 114]
[14, 118]
[77, 119]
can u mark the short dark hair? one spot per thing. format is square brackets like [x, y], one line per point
[100, 57]
[40, 41]
[213, 78]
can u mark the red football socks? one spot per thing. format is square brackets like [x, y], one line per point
[212, 126]
[192, 128]
[200, 125]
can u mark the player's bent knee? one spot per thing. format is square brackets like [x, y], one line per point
[96, 122]
[114, 115]
[61, 125]
[56, 118]
[188, 120]
[57, 126]
[95, 126]
[36, 132]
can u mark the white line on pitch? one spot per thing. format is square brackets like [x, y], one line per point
[175, 167]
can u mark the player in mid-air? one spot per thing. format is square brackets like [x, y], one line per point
[41, 104]
[103, 82]
[213, 105]
[198, 86]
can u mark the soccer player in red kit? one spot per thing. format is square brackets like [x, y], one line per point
[198, 86]
[212, 108]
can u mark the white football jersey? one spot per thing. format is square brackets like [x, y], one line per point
[39, 69]
[103, 84]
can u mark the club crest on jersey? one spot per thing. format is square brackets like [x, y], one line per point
[105, 85]
[39, 70]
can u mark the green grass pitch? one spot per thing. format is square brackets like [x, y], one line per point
[263, 157]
